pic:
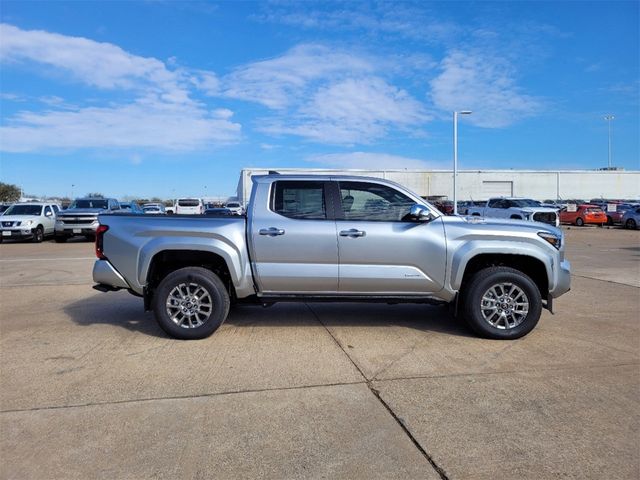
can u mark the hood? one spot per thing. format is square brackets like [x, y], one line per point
[539, 209]
[502, 224]
[80, 211]
[18, 218]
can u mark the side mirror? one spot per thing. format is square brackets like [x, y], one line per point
[420, 213]
[48, 214]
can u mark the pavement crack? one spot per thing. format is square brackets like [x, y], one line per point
[604, 280]
[399, 421]
[178, 397]
[376, 394]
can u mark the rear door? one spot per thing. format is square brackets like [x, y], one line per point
[294, 240]
[382, 252]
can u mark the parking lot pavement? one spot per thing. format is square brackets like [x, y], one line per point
[609, 253]
[46, 263]
[92, 388]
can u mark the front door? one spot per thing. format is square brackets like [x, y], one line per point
[381, 250]
[294, 240]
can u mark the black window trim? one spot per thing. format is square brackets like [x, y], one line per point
[329, 200]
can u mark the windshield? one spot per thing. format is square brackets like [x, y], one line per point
[233, 205]
[24, 210]
[151, 209]
[90, 203]
[188, 202]
[526, 202]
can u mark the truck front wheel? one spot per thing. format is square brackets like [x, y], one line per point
[191, 303]
[501, 303]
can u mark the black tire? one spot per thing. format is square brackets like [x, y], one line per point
[203, 278]
[91, 238]
[479, 286]
[60, 238]
[1, 239]
[609, 220]
[630, 223]
[38, 234]
[579, 222]
[475, 215]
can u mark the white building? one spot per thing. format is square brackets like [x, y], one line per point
[482, 184]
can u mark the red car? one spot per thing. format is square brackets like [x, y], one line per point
[584, 214]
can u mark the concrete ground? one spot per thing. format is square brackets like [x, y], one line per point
[92, 388]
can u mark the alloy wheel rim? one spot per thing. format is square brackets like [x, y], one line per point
[504, 306]
[189, 305]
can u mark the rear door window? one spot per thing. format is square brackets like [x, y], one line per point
[299, 200]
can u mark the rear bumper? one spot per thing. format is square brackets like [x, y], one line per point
[105, 274]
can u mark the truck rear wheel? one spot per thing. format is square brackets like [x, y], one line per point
[191, 303]
[501, 303]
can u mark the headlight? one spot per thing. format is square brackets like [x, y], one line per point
[554, 240]
[27, 223]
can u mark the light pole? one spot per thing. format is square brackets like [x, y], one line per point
[455, 157]
[608, 118]
[72, 185]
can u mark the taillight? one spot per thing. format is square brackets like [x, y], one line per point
[99, 241]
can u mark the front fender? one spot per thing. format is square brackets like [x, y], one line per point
[461, 257]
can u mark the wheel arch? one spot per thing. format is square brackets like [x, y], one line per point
[529, 262]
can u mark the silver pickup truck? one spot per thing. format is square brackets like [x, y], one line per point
[326, 238]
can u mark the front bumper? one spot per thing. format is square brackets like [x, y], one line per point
[17, 234]
[105, 274]
[70, 231]
[563, 280]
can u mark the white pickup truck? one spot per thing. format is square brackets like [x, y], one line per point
[517, 209]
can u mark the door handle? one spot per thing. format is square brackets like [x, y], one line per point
[353, 233]
[272, 231]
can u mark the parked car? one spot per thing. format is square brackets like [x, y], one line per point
[463, 207]
[29, 221]
[189, 206]
[615, 217]
[81, 218]
[631, 218]
[219, 211]
[235, 207]
[154, 208]
[517, 209]
[584, 214]
[130, 207]
[445, 206]
[340, 238]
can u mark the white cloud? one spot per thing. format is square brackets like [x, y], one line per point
[147, 123]
[485, 85]
[325, 95]
[367, 160]
[102, 65]
[278, 82]
[352, 111]
[393, 19]
[163, 116]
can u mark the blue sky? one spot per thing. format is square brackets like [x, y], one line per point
[163, 98]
